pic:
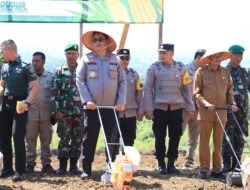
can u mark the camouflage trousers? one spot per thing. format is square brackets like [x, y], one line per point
[235, 137]
[70, 131]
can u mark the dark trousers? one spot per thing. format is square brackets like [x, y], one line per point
[172, 120]
[91, 133]
[128, 129]
[11, 119]
[0, 129]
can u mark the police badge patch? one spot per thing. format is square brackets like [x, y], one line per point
[92, 74]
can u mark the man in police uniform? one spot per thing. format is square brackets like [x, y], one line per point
[193, 124]
[67, 109]
[101, 82]
[134, 99]
[213, 88]
[167, 92]
[16, 78]
[39, 118]
[1, 98]
[241, 86]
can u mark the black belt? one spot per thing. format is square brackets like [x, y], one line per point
[9, 97]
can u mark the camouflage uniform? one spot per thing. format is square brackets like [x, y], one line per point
[65, 98]
[240, 79]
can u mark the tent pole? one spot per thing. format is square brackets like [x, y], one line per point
[80, 39]
[124, 35]
[160, 34]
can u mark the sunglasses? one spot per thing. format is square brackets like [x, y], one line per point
[125, 58]
[95, 40]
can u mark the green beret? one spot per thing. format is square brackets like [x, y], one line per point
[236, 49]
[71, 47]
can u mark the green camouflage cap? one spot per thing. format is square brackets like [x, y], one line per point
[71, 47]
[236, 49]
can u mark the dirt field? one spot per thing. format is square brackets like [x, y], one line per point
[145, 178]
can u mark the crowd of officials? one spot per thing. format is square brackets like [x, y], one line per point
[202, 95]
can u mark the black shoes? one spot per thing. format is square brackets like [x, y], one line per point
[73, 166]
[203, 175]
[75, 171]
[48, 169]
[7, 173]
[219, 175]
[29, 169]
[173, 170]
[17, 177]
[162, 170]
[87, 170]
[61, 171]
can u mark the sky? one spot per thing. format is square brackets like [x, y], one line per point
[214, 25]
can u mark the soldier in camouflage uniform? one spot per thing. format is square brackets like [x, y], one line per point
[241, 83]
[67, 110]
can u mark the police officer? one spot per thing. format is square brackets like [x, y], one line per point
[67, 110]
[213, 87]
[17, 77]
[101, 82]
[193, 124]
[39, 118]
[1, 98]
[134, 99]
[167, 92]
[241, 86]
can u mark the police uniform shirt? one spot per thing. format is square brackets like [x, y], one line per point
[17, 76]
[167, 87]
[40, 108]
[134, 98]
[214, 87]
[100, 79]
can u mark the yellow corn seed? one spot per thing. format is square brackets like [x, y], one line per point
[142, 10]
[118, 11]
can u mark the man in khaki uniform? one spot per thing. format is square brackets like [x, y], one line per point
[213, 87]
[39, 119]
[193, 125]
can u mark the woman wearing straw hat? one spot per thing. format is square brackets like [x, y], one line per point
[213, 87]
[101, 81]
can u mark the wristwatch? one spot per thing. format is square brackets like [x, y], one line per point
[27, 102]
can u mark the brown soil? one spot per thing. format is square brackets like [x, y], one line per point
[145, 178]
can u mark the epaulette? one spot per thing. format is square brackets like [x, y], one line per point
[225, 69]
[180, 63]
[28, 64]
[132, 70]
[157, 63]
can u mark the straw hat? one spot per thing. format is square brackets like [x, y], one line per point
[87, 40]
[223, 55]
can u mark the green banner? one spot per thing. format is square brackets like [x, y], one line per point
[85, 11]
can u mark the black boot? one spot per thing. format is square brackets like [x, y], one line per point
[87, 169]
[226, 164]
[162, 166]
[73, 166]
[171, 169]
[235, 164]
[63, 166]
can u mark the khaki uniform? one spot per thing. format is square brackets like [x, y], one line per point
[214, 87]
[39, 122]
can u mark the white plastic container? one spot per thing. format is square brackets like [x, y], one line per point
[133, 155]
[1, 163]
